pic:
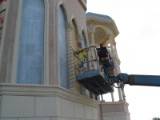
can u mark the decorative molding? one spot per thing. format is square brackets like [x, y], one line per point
[102, 20]
[45, 91]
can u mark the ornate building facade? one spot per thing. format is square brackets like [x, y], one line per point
[37, 64]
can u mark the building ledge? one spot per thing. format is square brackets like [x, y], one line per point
[114, 107]
[114, 103]
[44, 91]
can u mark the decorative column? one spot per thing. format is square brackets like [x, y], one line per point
[8, 42]
[52, 44]
[3, 9]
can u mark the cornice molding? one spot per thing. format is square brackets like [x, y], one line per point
[104, 20]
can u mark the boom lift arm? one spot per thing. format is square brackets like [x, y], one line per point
[141, 80]
[98, 81]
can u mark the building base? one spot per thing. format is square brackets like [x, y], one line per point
[44, 103]
[114, 111]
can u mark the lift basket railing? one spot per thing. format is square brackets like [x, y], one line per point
[86, 60]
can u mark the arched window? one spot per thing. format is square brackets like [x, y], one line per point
[62, 47]
[31, 42]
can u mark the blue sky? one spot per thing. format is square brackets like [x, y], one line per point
[138, 46]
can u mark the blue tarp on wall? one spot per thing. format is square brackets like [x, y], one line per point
[31, 44]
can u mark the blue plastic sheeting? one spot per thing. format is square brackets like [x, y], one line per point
[62, 48]
[31, 47]
[146, 80]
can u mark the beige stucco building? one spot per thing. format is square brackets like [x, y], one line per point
[37, 62]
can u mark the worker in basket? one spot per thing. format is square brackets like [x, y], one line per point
[105, 61]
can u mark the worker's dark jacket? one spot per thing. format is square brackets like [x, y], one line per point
[103, 55]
